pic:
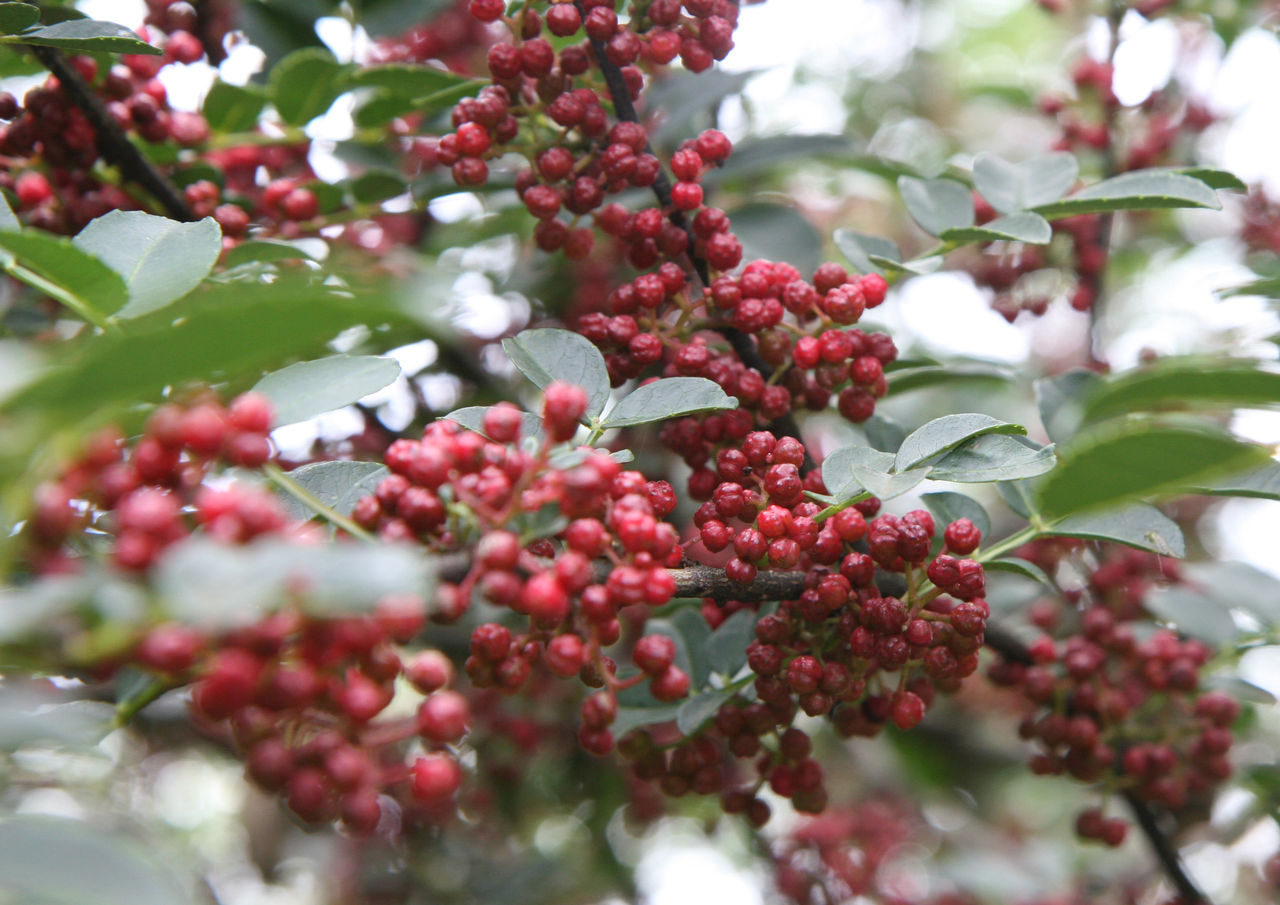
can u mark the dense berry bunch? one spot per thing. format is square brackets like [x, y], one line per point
[565, 606]
[148, 495]
[1115, 707]
[299, 696]
[843, 649]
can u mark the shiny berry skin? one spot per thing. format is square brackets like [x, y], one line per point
[443, 717]
[962, 536]
[487, 10]
[672, 685]
[435, 778]
[654, 654]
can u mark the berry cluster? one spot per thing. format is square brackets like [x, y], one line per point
[152, 494]
[299, 696]
[1112, 709]
[843, 649]
[53, 147]
[566, 608]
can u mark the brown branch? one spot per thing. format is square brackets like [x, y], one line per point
[113, 144]
[1166, 854]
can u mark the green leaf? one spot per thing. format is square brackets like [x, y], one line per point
[380, 109]
[1242, 690]
[545, 522]
[1019, 567]
[305, 84]
[1138, 190]
[630, 718]
[28, 717]
[950, 375]
[263, 251]
[472, 418]
[947, 507]
[78, 274]
[1059, 400]
[1011, 187]
[405, 80]
[339, 484]
[937, 205]
[994, 457]
[1194, 613]
[8, 219]
[377, 185]
[14, 17]
[696, 635]
[546, 355]
[700, 708]
[1023, 226]
[837, 474]
[873, 471]
[1112, 467]
[1183, 384]
[869, 254]
[230, 329]
[233, 108]
[1258, 483]
[1237, 584]
[87, 36]
[883, 433]
[310, 388]
[1019, 496]
[756, 155]
[946, 433]
[1214, 178]
[777, 233]
[160, 260]
[727, 649]
[218, 586]
[670, 397]
[1137, 525]
[1267, 286]
[58, 861]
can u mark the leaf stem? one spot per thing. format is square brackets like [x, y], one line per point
[281, 479]
[127, 709]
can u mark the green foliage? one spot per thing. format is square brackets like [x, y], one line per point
[937, 205]
[84, 36]
[159, 259]
[55, 860]
[309, 388]
[547, 355]
[1138, 190]
[671, 397]
[1014, 187]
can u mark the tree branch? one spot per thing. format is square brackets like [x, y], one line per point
[113, 144]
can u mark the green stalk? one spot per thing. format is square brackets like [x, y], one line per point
[281, 479]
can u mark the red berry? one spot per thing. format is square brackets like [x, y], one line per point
[672, 685]
[300, 204]
[563, 405]
[443, 717]
[654, 654]
[435, 778]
